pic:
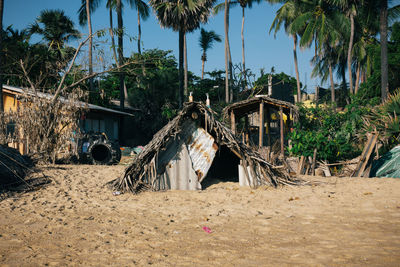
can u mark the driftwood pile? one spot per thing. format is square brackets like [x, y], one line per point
[141, 173]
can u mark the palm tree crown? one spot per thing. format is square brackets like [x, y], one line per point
[55, 27]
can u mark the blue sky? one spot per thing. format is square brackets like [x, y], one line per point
[262, 49]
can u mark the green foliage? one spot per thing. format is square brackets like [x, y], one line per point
[262, 82]
[152, 83]
[336, 136]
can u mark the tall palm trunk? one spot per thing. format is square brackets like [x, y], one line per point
[185, 92]
[112, 38]
[1, 56]
[139, 32]
[243, 56]
[181, 41]
[332, 84]
[89, 22]
[350, 50]
[384, 56]
[358, 74]
[226, 22]
[120, 54]
[296, 67]
[203, 61]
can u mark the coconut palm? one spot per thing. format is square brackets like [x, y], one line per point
[286, 15]
[243, 4]
[55, 27]
[143, 12]
[183, 17]
[350, 8]
[87, 7]
[206, 42]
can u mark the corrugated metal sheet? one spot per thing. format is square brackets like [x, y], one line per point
[180, 173]
[186, 160]
[202, 149]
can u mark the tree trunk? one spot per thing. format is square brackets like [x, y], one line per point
[226, 22]
[358, 74]
[203, 61]
[185, 92]
[112, 38]
[296, 67]
[349, 52]
[89, 22]
[120, 55]
[139, 32]
[333, 100]
[243, 56]
[384, 56]
[1, 56]
[181, 38]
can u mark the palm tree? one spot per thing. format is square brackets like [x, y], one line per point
[143, 12]
[206, 42]
[181, 16]
[55, 27]
[287, 14]
[87, 7]
[226, 6]
[350, 7]
[384, 57]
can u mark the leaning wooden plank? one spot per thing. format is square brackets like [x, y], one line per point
[368, 149]
[313, 162]
[301, 166]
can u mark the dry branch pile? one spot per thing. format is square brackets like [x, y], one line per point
[43, 124]
[143, 168]
[13, 166]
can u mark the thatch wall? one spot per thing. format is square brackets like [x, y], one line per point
[141, 174]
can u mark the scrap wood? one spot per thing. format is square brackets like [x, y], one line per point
[365, 156]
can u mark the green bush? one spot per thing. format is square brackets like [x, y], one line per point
[336, 135]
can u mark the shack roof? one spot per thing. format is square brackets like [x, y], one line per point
[134, 178]
[92, 107]
[253, 104]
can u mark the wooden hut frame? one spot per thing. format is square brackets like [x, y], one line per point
[142, 174]
[262, 104]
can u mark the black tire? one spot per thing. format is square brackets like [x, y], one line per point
[103, 152]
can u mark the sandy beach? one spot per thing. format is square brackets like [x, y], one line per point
[76, 220]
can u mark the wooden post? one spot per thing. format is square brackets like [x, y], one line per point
[261, 125]
[233, 123]
[268, 128]
[246, 126]
[313, 162]
[282, 137]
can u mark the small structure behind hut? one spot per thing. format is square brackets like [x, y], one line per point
[261, 120]
[190, 149]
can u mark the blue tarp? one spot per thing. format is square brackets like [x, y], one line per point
[388, 165]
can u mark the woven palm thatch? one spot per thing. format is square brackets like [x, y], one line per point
[142, 172]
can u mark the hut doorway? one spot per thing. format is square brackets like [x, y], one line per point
[223, 169]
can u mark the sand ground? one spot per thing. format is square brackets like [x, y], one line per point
[76, 220]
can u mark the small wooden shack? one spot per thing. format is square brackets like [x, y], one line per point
[180, 155]
[263, 117]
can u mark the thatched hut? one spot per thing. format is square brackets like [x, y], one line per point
[181, 154]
